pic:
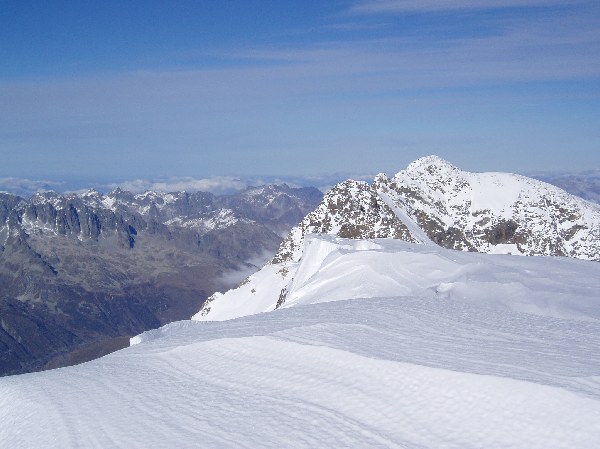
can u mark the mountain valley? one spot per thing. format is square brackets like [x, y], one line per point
[80, 273]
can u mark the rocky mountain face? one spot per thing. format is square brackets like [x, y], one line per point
[431, 202]
[351, 209]
[434, 201]
[79, 273]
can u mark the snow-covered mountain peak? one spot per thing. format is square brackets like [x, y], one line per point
[149, 195]
[44, 195]
[381, 178]
[47, 197]
[433, 201]
[91, 193]
[434, 174]
[430, 164]
[121, 195]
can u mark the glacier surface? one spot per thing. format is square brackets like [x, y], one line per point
[379, 343]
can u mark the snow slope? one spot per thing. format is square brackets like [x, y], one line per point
[441, 349]
[332, 268]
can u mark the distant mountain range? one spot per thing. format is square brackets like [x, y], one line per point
[583, 184]
[431, 202]
[80, 273]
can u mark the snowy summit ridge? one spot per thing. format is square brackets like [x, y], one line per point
[431, 203]
[434, 201]
[495, 212]
[429, 163]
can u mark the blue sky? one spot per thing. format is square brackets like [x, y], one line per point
[132, 90]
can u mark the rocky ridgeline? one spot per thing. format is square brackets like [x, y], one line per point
[351, 209]
[89, 214]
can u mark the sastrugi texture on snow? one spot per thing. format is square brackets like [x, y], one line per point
[440, 349]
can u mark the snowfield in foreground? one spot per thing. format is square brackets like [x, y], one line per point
[438, 349]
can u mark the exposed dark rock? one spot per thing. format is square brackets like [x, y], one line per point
[351, 209]
[281, 300]
[502, 232]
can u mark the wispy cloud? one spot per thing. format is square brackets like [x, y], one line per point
[218, 185]
[27, 187]
[215, 184]
[287, 106]
[401, 6]
[229, 184]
